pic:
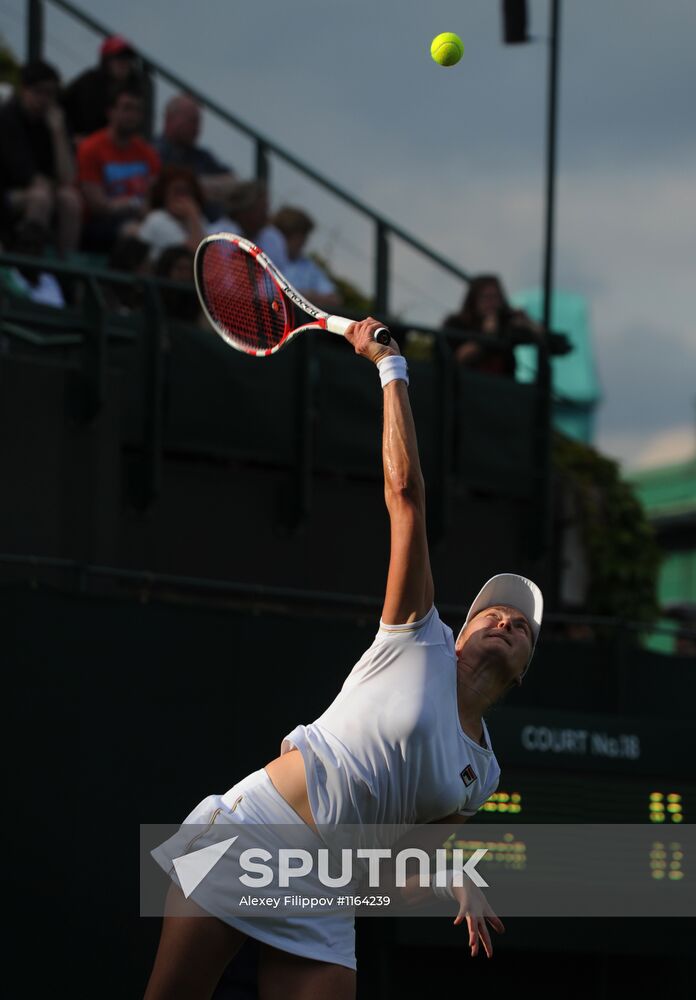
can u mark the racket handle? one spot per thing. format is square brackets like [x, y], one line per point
[339, 324]
[382, 335]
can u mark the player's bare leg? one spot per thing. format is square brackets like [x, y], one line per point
[294, 977]
[193, 952]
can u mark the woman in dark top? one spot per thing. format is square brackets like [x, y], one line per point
[486, 310]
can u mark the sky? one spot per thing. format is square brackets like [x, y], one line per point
[456, 156]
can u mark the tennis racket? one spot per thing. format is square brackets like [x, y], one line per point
[250, 304]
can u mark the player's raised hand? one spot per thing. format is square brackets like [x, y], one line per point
[361, 336]
[475, 909]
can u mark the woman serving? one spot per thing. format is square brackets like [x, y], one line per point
[404, 742]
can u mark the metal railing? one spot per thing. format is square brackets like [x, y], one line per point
[264, 148]
[92, 326]
[151, 585]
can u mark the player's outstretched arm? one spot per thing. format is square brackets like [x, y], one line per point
[410, 589]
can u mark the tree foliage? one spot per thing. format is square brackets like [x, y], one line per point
[622, 551]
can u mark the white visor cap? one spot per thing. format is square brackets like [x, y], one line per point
[516, 591]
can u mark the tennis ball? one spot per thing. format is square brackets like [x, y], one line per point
[447, 48]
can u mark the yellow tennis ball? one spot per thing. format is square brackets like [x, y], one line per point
[447, 48]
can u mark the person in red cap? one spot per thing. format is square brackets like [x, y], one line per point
[403, 743]
[86, 99]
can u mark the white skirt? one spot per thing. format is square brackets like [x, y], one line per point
[324, 936]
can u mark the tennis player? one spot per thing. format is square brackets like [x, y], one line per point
[404, 742]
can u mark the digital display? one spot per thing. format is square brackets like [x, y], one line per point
[553, 796]
[571, 797]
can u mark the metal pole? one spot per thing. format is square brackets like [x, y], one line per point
[551, 159]
[35, 30]
[261, 168]
[541, 537]
[381, 269]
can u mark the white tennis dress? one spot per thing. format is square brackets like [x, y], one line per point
[389, 750]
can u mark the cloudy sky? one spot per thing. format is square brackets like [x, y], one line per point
[456, 156]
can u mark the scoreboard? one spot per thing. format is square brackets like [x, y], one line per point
[567, 796]
[580, 769]
[568, 768]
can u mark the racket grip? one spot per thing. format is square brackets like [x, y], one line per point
[339, 324]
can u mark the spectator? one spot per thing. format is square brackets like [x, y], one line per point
[116, 168]
[177, 148]
[86, 99]
[30, 238]
[301, 271]
[485, 310]
[130, 256]
[36, 163]
[247, 215]
[177, 216]
[176, 264]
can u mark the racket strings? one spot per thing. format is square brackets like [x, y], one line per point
[242, 299]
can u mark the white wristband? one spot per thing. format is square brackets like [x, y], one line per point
[443, 891]
[392, 366]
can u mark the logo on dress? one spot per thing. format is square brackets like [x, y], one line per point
[468, 775]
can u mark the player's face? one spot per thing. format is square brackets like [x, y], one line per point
[504, 628]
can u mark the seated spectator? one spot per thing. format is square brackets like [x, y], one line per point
[177, 216]
[485, 310]
[301, 271]
[86, 99]
[115, 168]
[36, 163]
[177, 148]
[247, 215]
[176, 264]
[130, 256]
[30, 239]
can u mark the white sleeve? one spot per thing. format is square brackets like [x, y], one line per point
[408, 629]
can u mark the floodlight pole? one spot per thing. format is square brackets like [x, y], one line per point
[552, 103]
[542, 533]
[35, 30]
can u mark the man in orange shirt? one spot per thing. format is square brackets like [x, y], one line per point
[115, 168]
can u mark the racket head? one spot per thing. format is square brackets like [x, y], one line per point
[246, 299]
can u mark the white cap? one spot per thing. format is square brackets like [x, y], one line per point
[518, 592]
